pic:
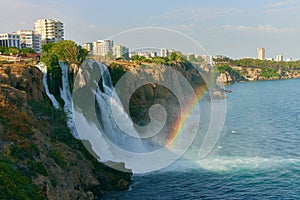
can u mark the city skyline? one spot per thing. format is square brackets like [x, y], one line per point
[232, 28]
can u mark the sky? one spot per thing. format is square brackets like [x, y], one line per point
[234, 28]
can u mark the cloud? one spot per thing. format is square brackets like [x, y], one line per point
[281, 3]
[261, 28]
[199, 13]
[284, 7]
[92, 26]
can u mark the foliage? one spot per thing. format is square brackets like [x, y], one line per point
[255, 63]
[174, 57]
[269, 73]
[46, 47]
[13, 185]
[25, 151]
[58, 120]
[57, 157]
[15, 51]
[192, 58]
[116, 72]
[54, 81]
[227, 68]
[37, 167]
[222, 59]
[66, 51]
[50, 60]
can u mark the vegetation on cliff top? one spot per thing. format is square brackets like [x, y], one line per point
[255, 63]
[64, 51]
[254, 69]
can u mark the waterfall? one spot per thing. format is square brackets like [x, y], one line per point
[65, 94]
[43, 69]
[106, 100]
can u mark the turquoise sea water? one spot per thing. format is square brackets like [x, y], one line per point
[258, 156]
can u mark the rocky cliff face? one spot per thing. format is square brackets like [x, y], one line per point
[150, 85]
[254, 74]
[36, 144]
[27, 79]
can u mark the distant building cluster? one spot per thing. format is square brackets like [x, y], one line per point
[106, 47]
[45, 31]
[146, 54]
[278, 57]
[163, 52]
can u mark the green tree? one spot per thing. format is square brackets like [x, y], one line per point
[199, 59]
[192, 58]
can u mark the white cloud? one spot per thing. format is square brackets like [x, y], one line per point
[92, 26]
[261, 28]
[284, 7]
[200, 13]
[281, 3]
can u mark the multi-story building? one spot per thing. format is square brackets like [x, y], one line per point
[164, 52]
[279, 58]
[29, 39]
[103, 47]
[207, 59]
[146, 54]
[119, 50]
[10, 40]
[88, 46]
[261, 53]
[50, 30]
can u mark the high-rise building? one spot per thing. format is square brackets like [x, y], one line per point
[207, 59]
[31, 40]
[164, 52]
[261, 53]
[279, 58]
[10, 40]
[119, 50]
[50, 30]
[103, 47]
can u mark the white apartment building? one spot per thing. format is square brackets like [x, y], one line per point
[119, 50]
[279, 58]
[103, 47]
[164, 52]
[50, 30]
[146, 54]
[261, 53]
[10, 40]
[208, 59]
[29, 39]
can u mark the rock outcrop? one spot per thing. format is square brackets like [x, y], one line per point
[238, 74]
[31, 142]
[27, 79]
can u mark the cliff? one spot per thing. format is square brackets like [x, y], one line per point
[39, 158]
[232, 73]
[157, 91]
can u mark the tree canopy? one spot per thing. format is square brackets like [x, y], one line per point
[66, 50]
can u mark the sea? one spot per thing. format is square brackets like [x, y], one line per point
[257, 156]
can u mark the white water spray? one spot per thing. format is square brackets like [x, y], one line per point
[43, 69]
[65, 94]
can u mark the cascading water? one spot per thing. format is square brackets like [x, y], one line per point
[43, 69]
[102, 131]
[106, 100]
[101, 119]
[65, 94]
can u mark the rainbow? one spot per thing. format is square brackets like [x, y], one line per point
[178, 124]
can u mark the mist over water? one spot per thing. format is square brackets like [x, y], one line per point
[257, 157]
